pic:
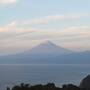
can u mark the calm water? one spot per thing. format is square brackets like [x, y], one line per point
[59, 74]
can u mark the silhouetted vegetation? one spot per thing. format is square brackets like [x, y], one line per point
[84, 85]
[49, 86]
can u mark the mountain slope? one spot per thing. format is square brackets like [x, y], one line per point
[47, 53]
[48, 48]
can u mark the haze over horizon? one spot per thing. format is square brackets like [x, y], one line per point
[27, 23]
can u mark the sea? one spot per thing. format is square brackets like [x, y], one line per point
[59, 74]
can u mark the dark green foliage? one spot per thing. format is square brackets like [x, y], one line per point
[8, 88]
[70, 87]
[21, 87]
[85, 83]
[49, 86]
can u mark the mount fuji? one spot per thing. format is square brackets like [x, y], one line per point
[47, 53]
[48, 48]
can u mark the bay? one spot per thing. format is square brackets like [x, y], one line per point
[59, 74]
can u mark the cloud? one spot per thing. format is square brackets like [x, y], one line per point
[2, 2]
[69, 34]
[19, 28]
[52, 18]
[47, 19]
[12, 30]
[8, 27]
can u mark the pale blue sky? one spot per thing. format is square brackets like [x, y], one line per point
[38, 8]
[65, 22]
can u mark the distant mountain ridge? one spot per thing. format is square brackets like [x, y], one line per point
[48, 48]
[47, 53]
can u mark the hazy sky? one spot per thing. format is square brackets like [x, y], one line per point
[26, 23]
